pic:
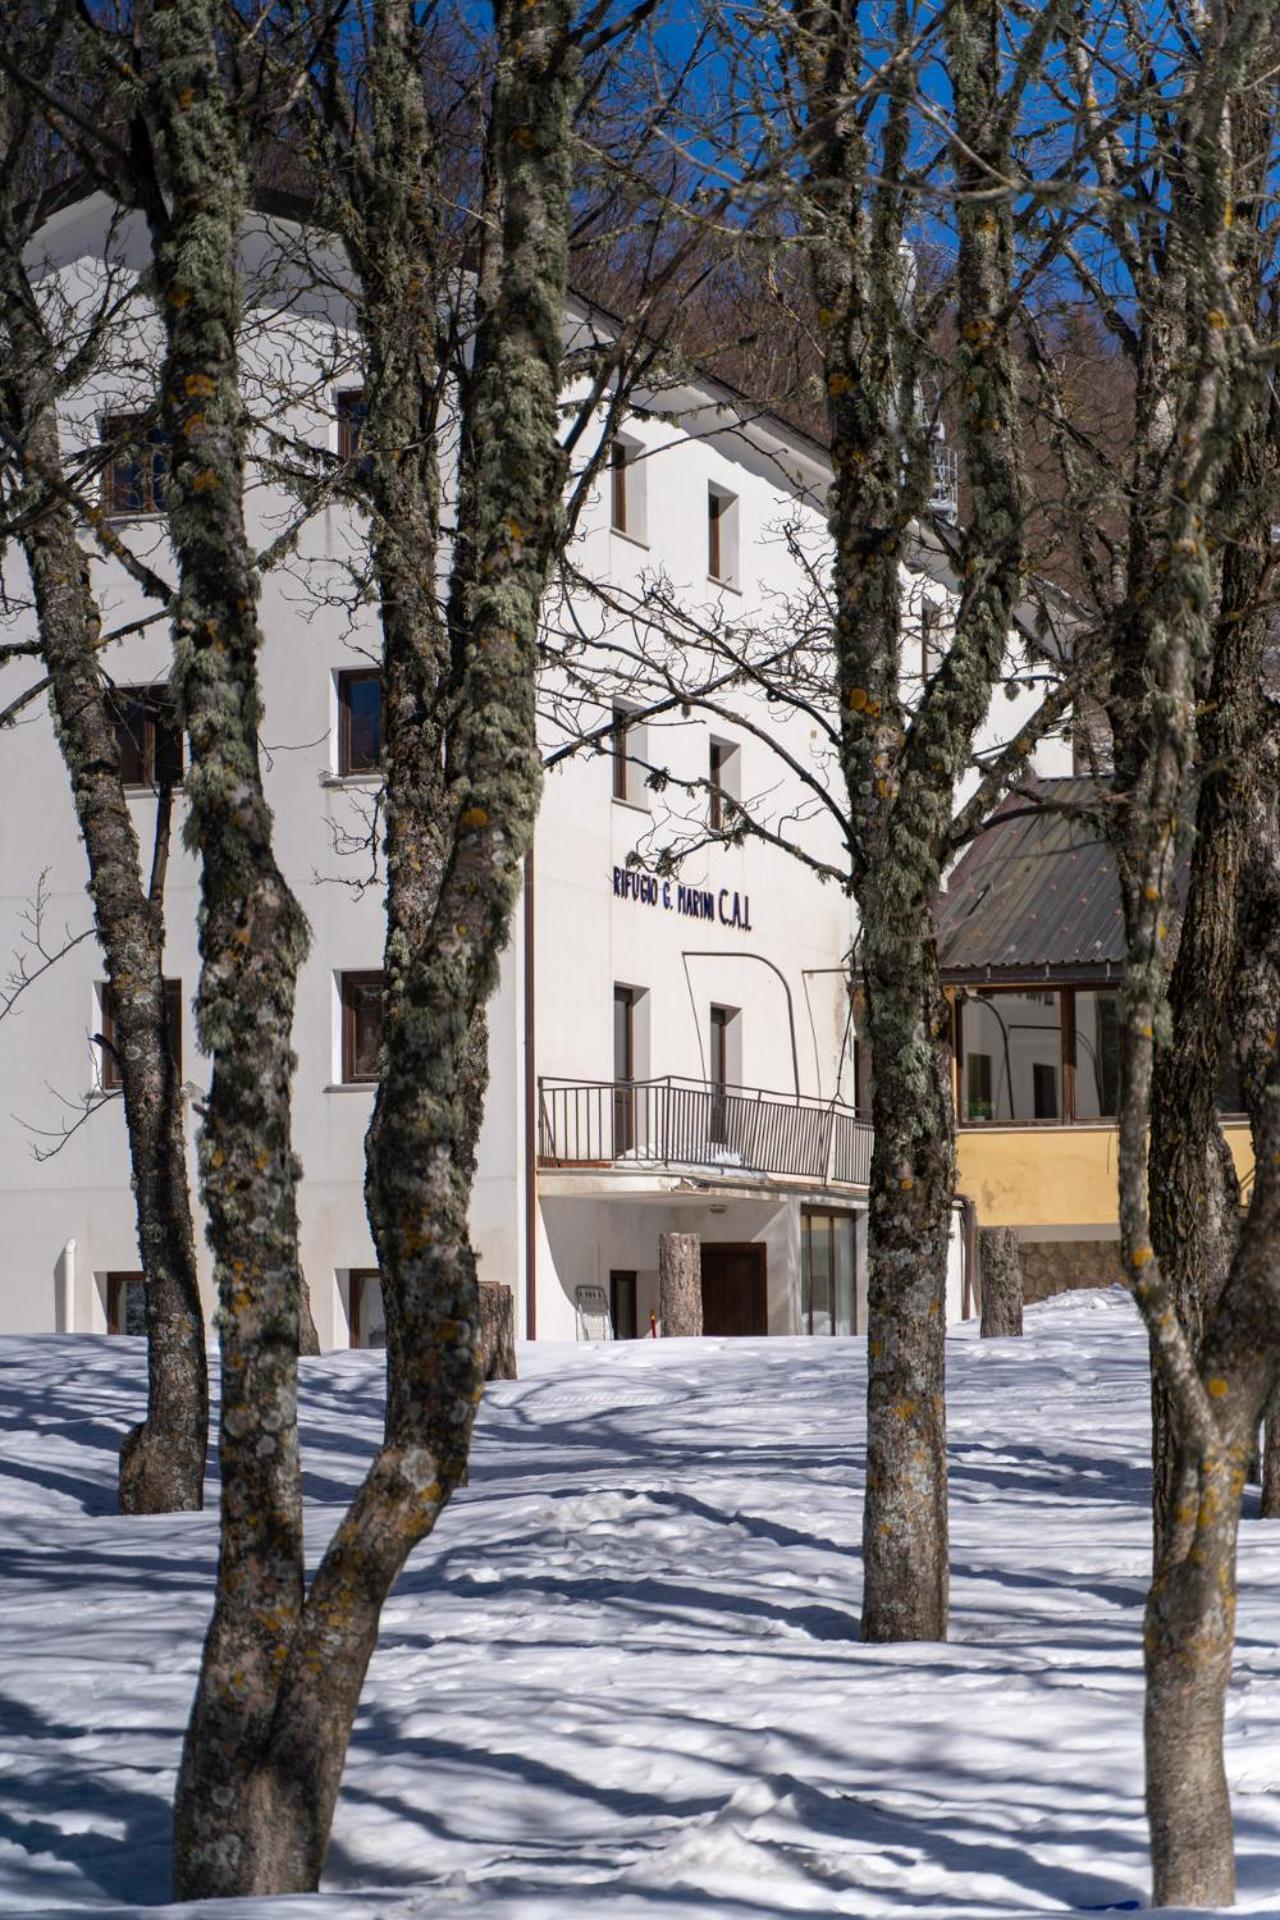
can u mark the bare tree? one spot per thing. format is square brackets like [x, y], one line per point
[163, 1458]
[1198, 377]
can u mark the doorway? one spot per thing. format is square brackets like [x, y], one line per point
[735, 1295]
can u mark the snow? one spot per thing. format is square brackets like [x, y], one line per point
[624, 1678]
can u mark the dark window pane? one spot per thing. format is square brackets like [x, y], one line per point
[129, 713]
[620, 768]
[618, 466]
[362, 1025]
[716, 504]
[360, 730]
[353, 415]
[622, 1305]
[134, 479]
[157, 467]
[166, 745]
[126, 1303]
[1097, 1054]
[148, 737]
[368, 1319]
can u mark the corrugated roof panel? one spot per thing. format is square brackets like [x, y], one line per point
[1037, 889]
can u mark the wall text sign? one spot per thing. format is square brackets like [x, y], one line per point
[672, 896]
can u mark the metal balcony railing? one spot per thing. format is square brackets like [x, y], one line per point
[690, 1123]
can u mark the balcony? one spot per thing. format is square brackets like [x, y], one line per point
[678, 1124]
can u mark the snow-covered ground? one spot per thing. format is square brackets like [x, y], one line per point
[624, 1679]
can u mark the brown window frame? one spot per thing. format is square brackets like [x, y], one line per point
[620, 459]
[117, 1284]
[137, 467]
[347, 401]
[110, 1078]
[347, 679]
[358, 1278]
[622, 720]
[347, 982]
[160, 729]
[1066, 991]
[717, 506]
[717, 758]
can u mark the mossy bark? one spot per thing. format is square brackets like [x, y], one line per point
[1198, 383]
[268, 1738]
[900, 770]
[191, 176]
[162, 1459]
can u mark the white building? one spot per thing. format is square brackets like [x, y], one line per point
[667, 1053]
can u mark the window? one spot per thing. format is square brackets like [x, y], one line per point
[725, 1068]
[624, 1069]
[361, 1026]
[930, 639]
[622, 1305]
[1015, 1043]
[353, 412]
[148, 737]
[627, 469]
[1044, 1090]
[722, 784]
[133, 480]
[360, 721]
[978, 1104]
[110, 1078]
[627, 750]
[722, 535]
[619, 460]
[725, 1047]
[1096, 1053]
[828, 1272]
[365, 1312]
[126, 1303]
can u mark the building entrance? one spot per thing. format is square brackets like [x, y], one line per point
[735, 1297]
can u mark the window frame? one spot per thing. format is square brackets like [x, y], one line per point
[110, 1077]
[1066, 992]
[348, 981]
[829, 1217]
[621, 1281]
[153, 470]
[158, 720]
[722, 781]
[358, 1278]
[346, 401]
[116, 1296]
[718, 504]
[348, 677]
[627, 745]
[620, 458]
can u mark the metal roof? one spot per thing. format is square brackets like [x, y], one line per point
[1036, 892]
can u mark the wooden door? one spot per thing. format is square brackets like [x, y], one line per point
[735, 1296]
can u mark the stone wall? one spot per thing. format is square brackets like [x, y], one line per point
[1059, 1266]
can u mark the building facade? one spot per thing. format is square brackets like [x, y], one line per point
[671, 1048]
[1032, 950]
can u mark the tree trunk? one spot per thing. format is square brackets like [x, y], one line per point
[904, 1524]
[680, 1285]
[162, 1460]
[262, 1768]
[1001, 1270]
[190, 168]
[497, 1331]
[1194, 1192]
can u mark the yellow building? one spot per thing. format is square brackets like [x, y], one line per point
[1031, 949]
